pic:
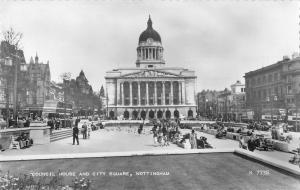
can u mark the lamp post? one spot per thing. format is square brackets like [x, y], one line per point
[7, 67]
[272, 100]
[205, 111]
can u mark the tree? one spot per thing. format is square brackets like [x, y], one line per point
[102, 93]
[13, 38]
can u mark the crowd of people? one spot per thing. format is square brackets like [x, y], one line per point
[164, 132]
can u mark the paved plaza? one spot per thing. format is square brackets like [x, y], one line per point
[127, 139]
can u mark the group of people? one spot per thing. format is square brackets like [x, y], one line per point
[191, 141]
[295, 159]
[85, 130]
[24, 140]
[164, 132]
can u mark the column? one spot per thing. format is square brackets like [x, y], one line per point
[147, 52]
[143, 52]
[139, 93]
[118, 95]
[147, 94]
[164, 93]
[180, 92]
[122, 94]
[153, 49]
[130, 92]
[183, 92]
[155, 94]
[171, 98]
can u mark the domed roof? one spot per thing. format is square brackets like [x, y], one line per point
[149, 33]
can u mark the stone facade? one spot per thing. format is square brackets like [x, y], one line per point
[150, 90]
[274, 88]
[29, 81]
[39, 86]
[12, 61]
[207, 102]
[231, 103]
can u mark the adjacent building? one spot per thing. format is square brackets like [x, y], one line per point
[23, 87]
[272, 91]
[207, 103]
[39, 86]
[13, 78]
[150, 89]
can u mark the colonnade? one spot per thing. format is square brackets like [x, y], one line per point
[150, 53]
[134, 93]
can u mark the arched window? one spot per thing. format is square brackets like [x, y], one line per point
[190, 113]
[126, 114]
[168, 114]
[151, 114]
[159, 114]
[176, 114]
[111, 114]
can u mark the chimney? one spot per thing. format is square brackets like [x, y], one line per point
[285, 58]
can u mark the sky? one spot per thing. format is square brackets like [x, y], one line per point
[219, 40]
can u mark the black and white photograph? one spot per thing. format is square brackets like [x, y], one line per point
[143, 95]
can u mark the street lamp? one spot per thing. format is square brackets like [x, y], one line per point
[206, 100]
[274, 98]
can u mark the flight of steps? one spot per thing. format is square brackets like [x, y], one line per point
[61, 134]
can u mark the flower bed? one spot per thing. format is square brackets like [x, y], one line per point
[28, 182]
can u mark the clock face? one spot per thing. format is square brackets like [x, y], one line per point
[149, 40]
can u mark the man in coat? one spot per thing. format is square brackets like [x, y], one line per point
[75, 134]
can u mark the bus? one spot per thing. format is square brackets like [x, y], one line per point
[54, 108]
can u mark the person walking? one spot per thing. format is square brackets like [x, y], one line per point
[89, 129]
[75, 134]
[193, 139]
[84, 130]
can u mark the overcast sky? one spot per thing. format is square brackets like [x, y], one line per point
[221, 41]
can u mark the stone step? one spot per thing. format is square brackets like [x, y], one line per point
[58, 135]
[61, 133]
[59, 138]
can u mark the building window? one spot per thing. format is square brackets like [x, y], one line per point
[276, 77]
[289, 89]
[264, 79]
[258, 80]
[276, 90]
[289, 78]
[270, 78]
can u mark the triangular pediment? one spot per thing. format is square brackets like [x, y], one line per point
[151, 74]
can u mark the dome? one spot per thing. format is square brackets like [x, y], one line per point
[149, 33]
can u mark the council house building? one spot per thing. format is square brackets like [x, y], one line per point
[150, 89]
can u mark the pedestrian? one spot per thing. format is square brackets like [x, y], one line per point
[140, 128]
[193, 139]
[75, 135]
[89, 128]
[84, 130]
[155, 134]
[251, 144]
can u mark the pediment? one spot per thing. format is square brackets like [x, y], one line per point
[151, 74]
